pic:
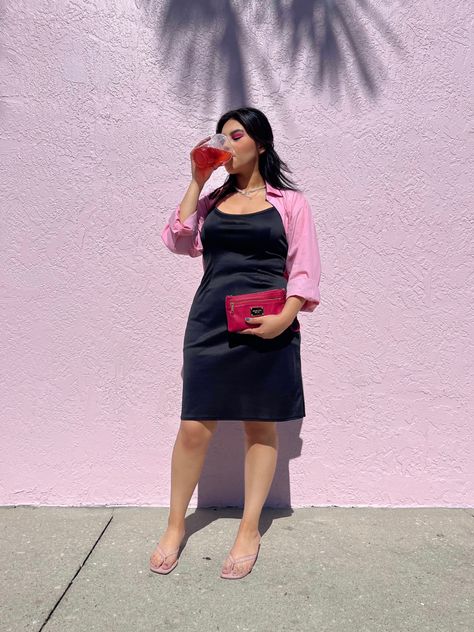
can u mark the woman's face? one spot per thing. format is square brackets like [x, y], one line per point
[244, 147]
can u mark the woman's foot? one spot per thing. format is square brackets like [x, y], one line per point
[169, 543]
[246, 544]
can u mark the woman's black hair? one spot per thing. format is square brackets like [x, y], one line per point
[270, 164]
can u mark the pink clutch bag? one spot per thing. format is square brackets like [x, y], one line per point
[239, 306]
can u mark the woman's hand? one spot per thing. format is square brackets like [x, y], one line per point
[270, 326]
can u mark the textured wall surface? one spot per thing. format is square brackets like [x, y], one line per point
[101, 103]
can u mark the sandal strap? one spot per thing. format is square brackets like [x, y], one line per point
[243, 558]
[163, 554]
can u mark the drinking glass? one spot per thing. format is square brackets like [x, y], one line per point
[214, 153]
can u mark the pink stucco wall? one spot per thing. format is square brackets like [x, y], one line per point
[100, 105]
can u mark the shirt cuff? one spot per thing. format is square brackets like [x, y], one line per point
[182, 228]
[311, 295]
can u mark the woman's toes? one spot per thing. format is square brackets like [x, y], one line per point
[240, 568]
[156, 560]
[226, 567]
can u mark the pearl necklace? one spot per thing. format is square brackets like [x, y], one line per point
[244, 192]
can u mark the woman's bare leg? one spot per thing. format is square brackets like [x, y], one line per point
[261, 444]
[189, 453]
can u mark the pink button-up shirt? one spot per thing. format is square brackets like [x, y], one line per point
[303, 265]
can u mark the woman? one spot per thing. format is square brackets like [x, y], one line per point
[255, 233]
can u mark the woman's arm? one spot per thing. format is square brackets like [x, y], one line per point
[181, 234]
[189, 203]
[292, 307]
[303, 264]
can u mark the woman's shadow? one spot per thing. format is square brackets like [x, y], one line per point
[221, 489]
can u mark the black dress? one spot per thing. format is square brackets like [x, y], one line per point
[234, 376]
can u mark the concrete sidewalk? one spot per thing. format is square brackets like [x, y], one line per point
[319, 569]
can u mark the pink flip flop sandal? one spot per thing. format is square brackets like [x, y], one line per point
[159, 569]
[230, 575]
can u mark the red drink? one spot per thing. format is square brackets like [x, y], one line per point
[210, 156]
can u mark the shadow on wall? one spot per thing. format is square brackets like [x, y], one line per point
[222, 479]
[217, 46]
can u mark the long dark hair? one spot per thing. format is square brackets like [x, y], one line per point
[270, 164]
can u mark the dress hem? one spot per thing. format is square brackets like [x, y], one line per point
[221, 418]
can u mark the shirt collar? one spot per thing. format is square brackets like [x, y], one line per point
[272, 190]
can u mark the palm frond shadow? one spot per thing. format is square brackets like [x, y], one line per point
[215, 51]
